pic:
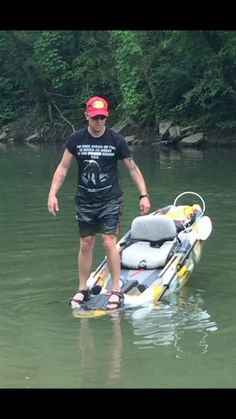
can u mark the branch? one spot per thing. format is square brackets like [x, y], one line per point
[59, 94]
[58, 110]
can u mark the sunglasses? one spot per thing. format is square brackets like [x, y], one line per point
[95, 118]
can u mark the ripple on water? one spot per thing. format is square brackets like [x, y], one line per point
[183, 324]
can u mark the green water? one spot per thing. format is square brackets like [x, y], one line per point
[189, 342]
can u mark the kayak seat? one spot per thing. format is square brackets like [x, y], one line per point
[151, 242]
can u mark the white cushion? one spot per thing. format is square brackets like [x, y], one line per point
[153, 228]
[142, 255]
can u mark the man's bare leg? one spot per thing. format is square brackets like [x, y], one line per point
[85, 257]
[113, 262]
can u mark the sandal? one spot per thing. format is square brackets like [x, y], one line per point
[116, 304]
[86, 294]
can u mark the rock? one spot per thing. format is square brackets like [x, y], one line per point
[3, 136]
[35, 136]
[164, 129]
[194, 139]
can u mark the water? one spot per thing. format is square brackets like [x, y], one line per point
[186, 342]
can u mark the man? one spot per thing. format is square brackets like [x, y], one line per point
[97, 150]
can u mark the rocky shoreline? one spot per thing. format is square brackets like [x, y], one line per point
[29, 130]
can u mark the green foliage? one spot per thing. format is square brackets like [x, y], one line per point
[187, 76]
[51, 51]
[94, 71]
[190, 77]
[128, 57]
[7, 114]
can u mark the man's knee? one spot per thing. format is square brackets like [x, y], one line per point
[87, 243]
[109, 241]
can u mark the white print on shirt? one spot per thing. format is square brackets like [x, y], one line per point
[92, 175]
[95, 151]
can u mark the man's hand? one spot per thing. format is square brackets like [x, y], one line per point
[53, 206]
[144, 205]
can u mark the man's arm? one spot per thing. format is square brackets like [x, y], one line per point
[58, 180]
[138, 179]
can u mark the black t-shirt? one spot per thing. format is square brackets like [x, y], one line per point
[97, 159]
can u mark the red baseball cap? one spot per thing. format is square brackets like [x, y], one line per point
[97, 106]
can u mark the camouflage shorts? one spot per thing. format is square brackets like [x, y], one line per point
[99, 218]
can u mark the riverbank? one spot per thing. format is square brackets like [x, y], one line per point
[31, 129]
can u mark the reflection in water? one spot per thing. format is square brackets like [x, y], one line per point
[182, 322]
[3, 147]
[101, 353]
[10, 146]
